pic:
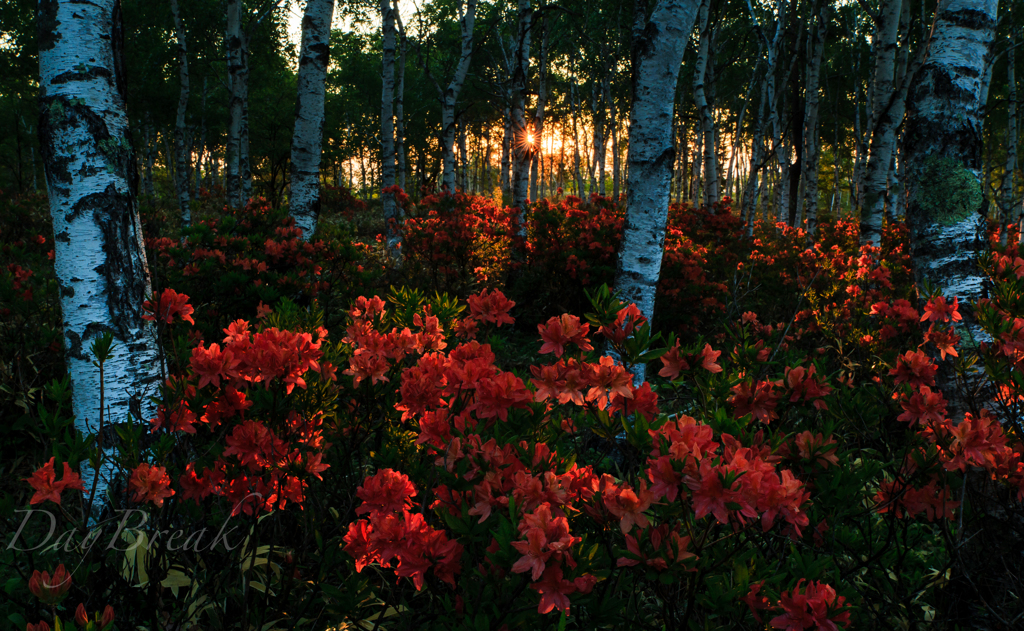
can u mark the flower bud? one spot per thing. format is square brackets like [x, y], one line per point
[81, 616]
[47, 589]
[108, 617]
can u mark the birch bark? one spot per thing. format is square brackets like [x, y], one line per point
[91, 181]
[658, 53]
[1006, 190]
[180, 151]
[886, 115]
[307, 139]
[387, 124]
[707, 121]
[538, 118]
[521, 150]
[816, 47]
[238, 87]
[942, 147]
[450, 95]
[400, 100]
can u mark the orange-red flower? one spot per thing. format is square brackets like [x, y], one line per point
[46, 485]
[150, 484]
[170, 304]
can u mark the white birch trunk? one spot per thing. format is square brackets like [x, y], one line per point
[307, 139]
[506, 153]
[450, 95]
[886, 115]
[234, 40]
[521, 150]
[180, 151]
[658, 54]
[815, 47]
[387, 124]
[1006, 190]
[942, 147]
[100, 260]
[757, 151]
[536, 179]
[707, 121]
[400, 101]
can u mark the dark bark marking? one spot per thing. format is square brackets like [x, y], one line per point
[93, 72]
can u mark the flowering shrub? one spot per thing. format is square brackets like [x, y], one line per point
[796, 458]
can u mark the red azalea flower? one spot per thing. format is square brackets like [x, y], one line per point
[150, 484]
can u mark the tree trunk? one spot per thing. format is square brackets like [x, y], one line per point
[886, 114]
[400, 101]
[815, 48]
[307, 139]
[538, 118]
[99, 259]
[1006, 205]
[658, 52]
[942, 147]
[238, 80]
[387, 125]
[147, 175]
[757, 151]
[521, 150]
[463, 169]
[180, 151]
[506, 153]
[450, 95]
[707, 121]
[616, 159]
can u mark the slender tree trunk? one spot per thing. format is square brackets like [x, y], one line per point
[886, 115]
[400, 100]
[202, 159]
[99, 259]
[450, 95]
[307, 140]
[942, 147]
[815, 49]
[707, 121]
[616, 158]
[575, 107]
[520, 147]
[238, 75]
[506, 153]
[387, 125]
[463, 168]
[147, 177]
[181, 182]
[1006, 205]
[757, 151]
[538, 118]
[658, 52]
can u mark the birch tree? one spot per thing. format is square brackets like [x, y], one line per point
[449, 95]
[521, 149]
[181, 183]
[538, 116]
[707, 120]
[887, 109]
[387, 122]
[1006, 190]
[238, 86]
[942, 147]
[815, 49]
[658, 52]
[400, 100]
[314, 55]
[99, 257]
